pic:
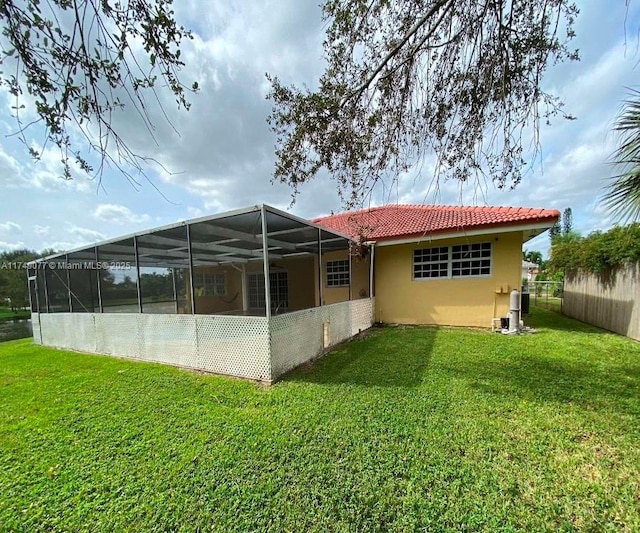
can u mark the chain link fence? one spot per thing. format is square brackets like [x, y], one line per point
[547, 294]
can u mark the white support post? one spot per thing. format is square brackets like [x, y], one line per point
[350, 281]
[320, 266]
[46, 289]
[136, 255]
[265, 263]
[95, 250]
[175, 288]
[372, 257]
[245, 293]
[66, 261]
[192, 291]
[29, 280]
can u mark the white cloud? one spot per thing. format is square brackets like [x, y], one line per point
[10, 246]
[85, 233]
[224, 155]
[46, 173]
[195, 212]
[10, 227]
[60, 246]
[9, 169]
[41, 230]
[118, 214]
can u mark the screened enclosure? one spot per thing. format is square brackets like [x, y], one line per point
[241, 266]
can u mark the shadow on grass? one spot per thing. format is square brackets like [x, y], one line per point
[547, 378]
[539, 317]
[386, 357]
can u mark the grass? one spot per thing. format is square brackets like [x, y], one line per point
[407, 429]
[552, 303]
[8, 314]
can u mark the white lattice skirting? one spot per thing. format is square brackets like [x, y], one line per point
[243, 346]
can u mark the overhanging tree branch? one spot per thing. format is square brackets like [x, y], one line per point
[74, 58]
[404, 80]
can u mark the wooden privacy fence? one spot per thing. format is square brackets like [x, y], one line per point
[608, 300]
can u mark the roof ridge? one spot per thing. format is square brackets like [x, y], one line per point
[443, 207]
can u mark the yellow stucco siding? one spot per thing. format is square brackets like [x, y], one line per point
[456, 302]
[300, 275]
[359, 279]
[232, 300]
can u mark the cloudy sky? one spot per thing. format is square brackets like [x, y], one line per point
[223, 158]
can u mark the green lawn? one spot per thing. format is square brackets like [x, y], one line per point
[8, 314]
[552, 303]
[407, 429]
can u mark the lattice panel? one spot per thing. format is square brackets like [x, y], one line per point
[299, 337]
[35, 326]
[338, 317]
[250, 347]
[169, 339]
[119, 334]
[361, 315]
[295, 339]
[234, 345]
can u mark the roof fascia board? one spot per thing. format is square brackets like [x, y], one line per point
[466, 233]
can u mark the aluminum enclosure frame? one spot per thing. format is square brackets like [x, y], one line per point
[260, 348]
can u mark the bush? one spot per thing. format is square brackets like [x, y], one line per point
[597, 252]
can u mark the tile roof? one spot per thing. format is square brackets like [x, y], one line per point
[405, 221]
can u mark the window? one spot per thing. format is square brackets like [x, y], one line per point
[338, 273]
[471, 260]
[431, 263]
[210, 284]
[279, 291]
[459, 261]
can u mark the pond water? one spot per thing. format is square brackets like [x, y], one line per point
[15, 329]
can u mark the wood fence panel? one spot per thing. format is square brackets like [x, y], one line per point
[608, 300]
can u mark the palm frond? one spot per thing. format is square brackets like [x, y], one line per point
[622, 195]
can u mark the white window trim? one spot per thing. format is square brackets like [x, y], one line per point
[326, 272]
[260, 275]
[204, 283]
[449, 275]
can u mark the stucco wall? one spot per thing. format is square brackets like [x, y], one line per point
[359, 279]
[456, 302]
[232, 300]
[301, 273]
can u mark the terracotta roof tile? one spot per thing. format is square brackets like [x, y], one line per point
[405, 221]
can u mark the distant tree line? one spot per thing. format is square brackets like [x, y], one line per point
[14, 289]
[598, 251]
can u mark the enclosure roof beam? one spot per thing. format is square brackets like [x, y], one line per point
[210, 246]
[236, 236]
[304, 225]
